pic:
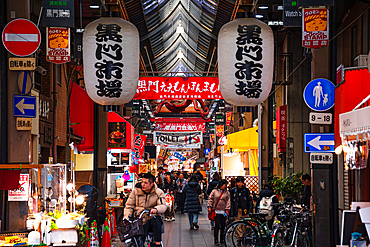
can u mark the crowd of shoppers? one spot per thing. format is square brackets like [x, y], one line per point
[225, 202]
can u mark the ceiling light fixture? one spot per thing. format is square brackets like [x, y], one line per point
[259, 16]
[180, 29]
[94, 6]
[263, 7]
[180, 54]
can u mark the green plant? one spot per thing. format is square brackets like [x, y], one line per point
[83, 232]
[289, 186]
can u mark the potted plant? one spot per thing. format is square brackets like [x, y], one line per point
[289, 186]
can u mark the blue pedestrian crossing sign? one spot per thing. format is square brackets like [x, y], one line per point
[318, 142]
[24, 106]
[319, 94]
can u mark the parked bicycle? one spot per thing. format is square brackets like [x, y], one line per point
[293, 228]
[131, 232]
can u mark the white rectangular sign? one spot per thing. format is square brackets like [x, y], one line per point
[321, 158]
[321, 118]
[20, 194]
[178, 138]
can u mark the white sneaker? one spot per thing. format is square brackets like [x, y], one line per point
[172, 219]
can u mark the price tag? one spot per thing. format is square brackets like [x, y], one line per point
[321, 118]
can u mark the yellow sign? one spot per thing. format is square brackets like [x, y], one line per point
[21, 63]
[24, 123]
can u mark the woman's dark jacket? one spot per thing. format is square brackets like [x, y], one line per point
[192, 204]
[246, 203]
[171, 186]
[213, 184]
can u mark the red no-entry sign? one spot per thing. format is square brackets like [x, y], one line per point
[21, 37]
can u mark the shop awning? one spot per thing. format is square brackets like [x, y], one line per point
[355, 122]
[244, 140]
[82, 117]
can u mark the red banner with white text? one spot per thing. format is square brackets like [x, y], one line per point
[178, 88]
[139, 144]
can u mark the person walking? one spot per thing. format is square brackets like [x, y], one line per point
[241, 201]
[219, 200]
[306, 197]
[169, 186]
[211, 186]
[181, 182]
[192, 204]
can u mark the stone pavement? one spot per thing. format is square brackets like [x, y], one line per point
[178, 234]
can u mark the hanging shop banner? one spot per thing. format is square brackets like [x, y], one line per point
[117, 135]
[315, 28]
[229, 118]
[219, 130]
[58, 46]
[58, 13]
[178, 88]
[179, 156]
[281, 127]
[111, 60]
[21, 193]
[178, 138]
[180, 126]
[139, 144]
[246, 61]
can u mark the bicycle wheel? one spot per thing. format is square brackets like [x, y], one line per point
[279, 238]
[303, 239]
[240, 233]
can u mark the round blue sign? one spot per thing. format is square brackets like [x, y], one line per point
[206, 151]
[319, 94]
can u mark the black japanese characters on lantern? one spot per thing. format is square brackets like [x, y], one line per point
[249, 53]
[108, 70]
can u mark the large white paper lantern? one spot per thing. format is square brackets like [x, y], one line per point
[111, 60]
[246, 60]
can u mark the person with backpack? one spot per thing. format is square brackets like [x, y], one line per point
[241, 201]
[192, 205]
[219, 201]
[169, 186]
[265, 204]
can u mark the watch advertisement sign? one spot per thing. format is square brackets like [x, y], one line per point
[155, 88]
[58, 46]
[315, 28]
[20, 194]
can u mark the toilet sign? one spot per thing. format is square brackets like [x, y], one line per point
[319, 94]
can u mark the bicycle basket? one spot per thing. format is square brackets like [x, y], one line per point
[126, 231]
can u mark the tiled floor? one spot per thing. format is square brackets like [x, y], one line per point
[178, 234]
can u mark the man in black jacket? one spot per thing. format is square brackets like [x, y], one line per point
[241, 201]
[169, 186]
[306, 198]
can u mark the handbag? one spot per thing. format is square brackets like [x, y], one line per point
[212, 214]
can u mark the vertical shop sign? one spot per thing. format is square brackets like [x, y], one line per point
[58, 13]
[229, 118]
[315, 28]
[219, 130]
[58, 46]
[21, 193]
[281, 123]
[117, 135]
[139, 144]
